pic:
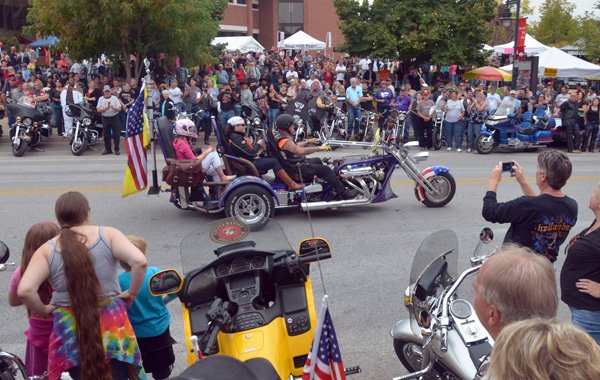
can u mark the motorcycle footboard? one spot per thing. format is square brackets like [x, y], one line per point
[352, 370]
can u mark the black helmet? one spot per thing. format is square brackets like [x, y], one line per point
[284, 121]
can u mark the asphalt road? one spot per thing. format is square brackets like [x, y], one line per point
[373, 246]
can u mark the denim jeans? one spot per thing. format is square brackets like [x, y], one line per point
[353, 120]
[273, 113]
[473, 132]
[456, 130]
[57, 116]
[223, 117]
[587, 320]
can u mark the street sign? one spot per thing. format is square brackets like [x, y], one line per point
[550, 72]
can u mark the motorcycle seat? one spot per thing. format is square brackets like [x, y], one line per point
[224, 367]
[525, 130]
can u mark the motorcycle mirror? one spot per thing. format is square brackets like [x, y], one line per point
[421, 156]
[165, 282]
[486, 235]
[4, 253]
[411, 144]
[313, 246]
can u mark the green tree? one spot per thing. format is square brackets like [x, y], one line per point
[145, 28]
[590, 36]
[557, 26]
[441, 31]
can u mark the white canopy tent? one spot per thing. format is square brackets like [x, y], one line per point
[532, 47]
[301, 41]
[244, 44]
[566, 65]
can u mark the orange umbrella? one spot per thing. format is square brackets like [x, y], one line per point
[488, 73]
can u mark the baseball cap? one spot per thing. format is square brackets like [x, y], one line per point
[513, 92]
[106, 88]
[425, 92]
[236, 120]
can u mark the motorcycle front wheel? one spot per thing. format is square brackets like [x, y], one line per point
[18, 148]
[446, 186]
[78, 145]
[485, 144]
[411, 357]
[437, 139]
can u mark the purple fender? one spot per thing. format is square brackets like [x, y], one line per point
[428, 173]
[246, 180]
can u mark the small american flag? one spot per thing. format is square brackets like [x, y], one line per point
[134, 143]
[327, 364]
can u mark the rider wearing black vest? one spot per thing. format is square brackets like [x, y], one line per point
[295, 153]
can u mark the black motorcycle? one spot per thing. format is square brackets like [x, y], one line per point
[29, 130]
[85, 131]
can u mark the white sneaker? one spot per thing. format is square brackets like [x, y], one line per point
[459, 150]
[469, 150]
[448, 149]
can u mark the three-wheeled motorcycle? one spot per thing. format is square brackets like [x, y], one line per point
[254, 196]
[246, 294]
[505, 131]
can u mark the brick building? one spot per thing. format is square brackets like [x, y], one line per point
[264, 19]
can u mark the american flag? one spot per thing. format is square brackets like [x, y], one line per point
[326, 351]
[134, 143]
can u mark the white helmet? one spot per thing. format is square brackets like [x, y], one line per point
[185, 127]
[235, 120]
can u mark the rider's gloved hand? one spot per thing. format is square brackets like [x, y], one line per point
[312, 140]
[324, 148]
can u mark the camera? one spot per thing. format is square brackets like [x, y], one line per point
[508, 167]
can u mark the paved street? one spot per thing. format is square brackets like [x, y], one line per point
[373, 246]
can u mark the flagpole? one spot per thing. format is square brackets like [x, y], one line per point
[154, 189]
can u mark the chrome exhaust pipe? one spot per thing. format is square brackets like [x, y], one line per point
[334, 205]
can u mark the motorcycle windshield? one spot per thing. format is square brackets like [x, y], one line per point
[434, 246]
[200, 247]
[504, 109]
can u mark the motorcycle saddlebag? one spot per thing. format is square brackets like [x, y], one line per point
[185, 173]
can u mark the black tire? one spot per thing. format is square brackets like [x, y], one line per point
[437, 140]
[78, 144]
[484, 146]
[447, 184]
[411, 357]
[252, 204]
[18, 149]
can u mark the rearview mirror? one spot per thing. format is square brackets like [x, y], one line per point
[4, 253]
[165, 282]
[421, 156]
[411, 144]
[313, 246]
[486, 235]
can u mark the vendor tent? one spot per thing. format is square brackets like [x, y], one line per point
[532, 47]
[48, 41]
[302, 41]
[244, 44]
[566, 65]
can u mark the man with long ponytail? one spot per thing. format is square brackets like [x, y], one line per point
[81, 265]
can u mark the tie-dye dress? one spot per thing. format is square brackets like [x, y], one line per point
[117, 335]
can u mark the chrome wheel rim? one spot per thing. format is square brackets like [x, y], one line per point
[251, 208]
[442, 186]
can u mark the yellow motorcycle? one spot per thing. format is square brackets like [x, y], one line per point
[253, 301]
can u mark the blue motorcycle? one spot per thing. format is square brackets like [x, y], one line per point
[503, 130]
[254, 196]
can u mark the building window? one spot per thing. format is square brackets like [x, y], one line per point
[291, 16]
[239, 2]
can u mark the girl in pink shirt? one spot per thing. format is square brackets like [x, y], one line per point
[40, 326]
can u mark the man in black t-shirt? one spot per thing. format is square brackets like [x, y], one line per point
[540, 222]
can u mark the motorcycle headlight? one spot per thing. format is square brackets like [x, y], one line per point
[401, 117]
[256, 121]
[86, 121]
[27, 121]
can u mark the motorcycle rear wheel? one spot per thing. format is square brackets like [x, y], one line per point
[446, 184]
[411, 357]
[78, 145]
[18, 149]
[251, 204]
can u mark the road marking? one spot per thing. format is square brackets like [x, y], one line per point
[119, 188]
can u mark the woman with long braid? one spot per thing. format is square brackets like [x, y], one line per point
[92, 338]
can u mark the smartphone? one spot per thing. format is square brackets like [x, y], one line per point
[508, 167]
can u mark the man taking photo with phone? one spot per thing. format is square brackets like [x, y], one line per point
[541, 221]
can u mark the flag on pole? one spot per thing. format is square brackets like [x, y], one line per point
[136, 172]
[324, 361]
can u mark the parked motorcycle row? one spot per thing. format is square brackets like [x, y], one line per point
[251, 308]
[32, 127]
